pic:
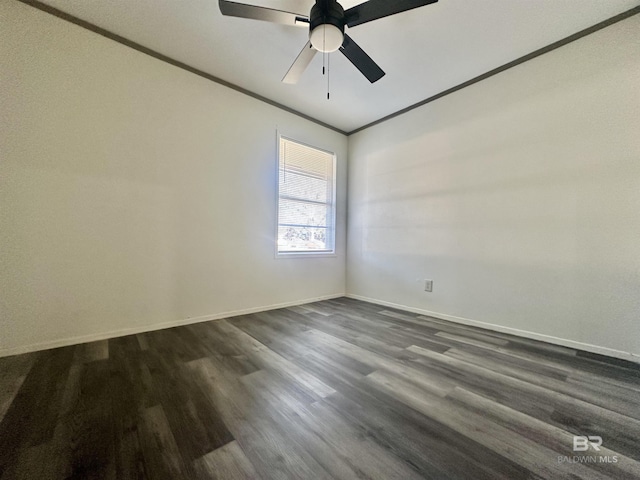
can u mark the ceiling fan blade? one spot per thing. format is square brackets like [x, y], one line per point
[234, 9]
[375, 9]
[300, 64]
[361, 60]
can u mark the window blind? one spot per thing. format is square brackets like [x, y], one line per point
[306, 208]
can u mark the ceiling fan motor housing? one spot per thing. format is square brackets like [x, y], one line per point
[326, 25]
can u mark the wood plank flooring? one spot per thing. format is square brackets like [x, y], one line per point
[336, 389]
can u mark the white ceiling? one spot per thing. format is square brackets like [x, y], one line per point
[423, 51]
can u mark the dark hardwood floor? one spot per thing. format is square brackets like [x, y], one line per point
[335, 389]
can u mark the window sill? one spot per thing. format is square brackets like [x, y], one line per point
[306, 255]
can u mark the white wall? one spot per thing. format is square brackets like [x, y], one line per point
[134, 193]
[519, 196]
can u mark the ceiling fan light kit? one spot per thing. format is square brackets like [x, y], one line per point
[326, 38]
[326, 26]
[327, 21]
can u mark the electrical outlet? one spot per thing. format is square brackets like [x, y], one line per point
[428, 285]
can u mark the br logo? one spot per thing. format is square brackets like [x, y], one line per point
[582, 444]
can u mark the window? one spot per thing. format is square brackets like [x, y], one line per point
[306, 199]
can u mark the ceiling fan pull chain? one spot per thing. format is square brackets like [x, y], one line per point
[324, 50]
[328, 74]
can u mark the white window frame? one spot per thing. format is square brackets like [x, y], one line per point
[331, 227]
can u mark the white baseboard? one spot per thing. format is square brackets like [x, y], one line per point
[609, 352]
[64, 342]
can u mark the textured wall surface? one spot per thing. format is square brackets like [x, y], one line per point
[519, 196]
[134, 193]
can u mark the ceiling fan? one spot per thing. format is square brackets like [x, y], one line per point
[326, 22]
